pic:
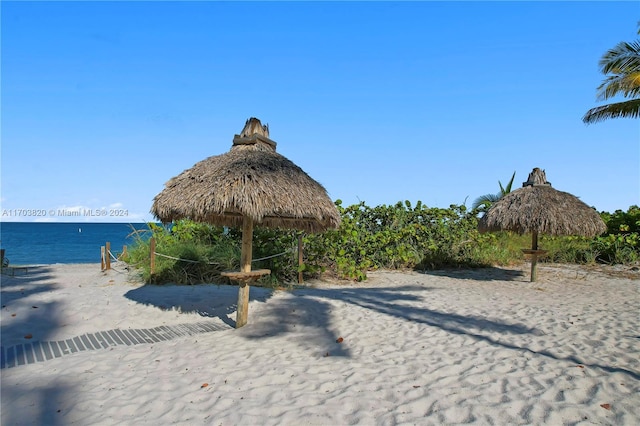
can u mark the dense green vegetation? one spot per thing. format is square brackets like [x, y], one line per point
[396, 236]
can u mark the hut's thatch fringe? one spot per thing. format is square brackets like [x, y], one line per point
[542, 209]
[253, 180]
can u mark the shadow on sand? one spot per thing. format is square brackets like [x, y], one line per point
[49, 410]
[44, 317]
[21, 317]
[206, 300]
[490, 273]
[309, 311]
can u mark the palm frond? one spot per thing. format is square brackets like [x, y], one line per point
[621, 66]
[485, 200]
[505, 191]
[626, 109]
[621, 59]
[628, 85]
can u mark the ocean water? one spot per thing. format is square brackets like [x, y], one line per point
[37, 243]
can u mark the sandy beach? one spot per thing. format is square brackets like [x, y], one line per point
[485, 346]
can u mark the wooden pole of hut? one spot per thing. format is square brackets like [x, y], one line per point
[242, 314]
[534, 255]
[246, 275]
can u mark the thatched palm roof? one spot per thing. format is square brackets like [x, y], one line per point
[252, 180]
[539, 208]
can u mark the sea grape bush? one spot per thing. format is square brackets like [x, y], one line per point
[621, 244]
[620, 222]
[394, 237]
[400, 236]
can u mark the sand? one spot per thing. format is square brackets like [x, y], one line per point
[85, 347]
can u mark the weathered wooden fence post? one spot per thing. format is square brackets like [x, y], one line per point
[108, 255]
[102, 258]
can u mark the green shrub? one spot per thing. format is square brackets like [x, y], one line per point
[188, 253]
[617, 248]
[621, 243]
[620, 222]
[396, 236]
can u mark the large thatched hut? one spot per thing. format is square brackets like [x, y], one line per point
[251, 180]
[249, 185]
[537, 208]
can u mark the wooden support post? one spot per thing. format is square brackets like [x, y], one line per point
[102, 258]
[152, 252]
[242, 314]
[534, 262]
[300, 259]
[243, 279]
[534, 256]
[247, 245]
[108, 255]
[124, 252]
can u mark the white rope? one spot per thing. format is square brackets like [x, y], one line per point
[184, 260]
[116, 260]
[269, 257]
[216, 263]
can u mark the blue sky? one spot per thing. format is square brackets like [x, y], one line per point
[103, 102]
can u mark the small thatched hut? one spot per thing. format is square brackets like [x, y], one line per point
[250, 184]
[537, 208]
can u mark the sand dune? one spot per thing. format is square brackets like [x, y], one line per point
[448, 347]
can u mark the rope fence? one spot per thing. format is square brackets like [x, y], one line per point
[155, 253]
[216, 263]
[272, 256]
[106, 256]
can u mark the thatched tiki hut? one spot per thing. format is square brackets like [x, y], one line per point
[537, 208]
[249, 185]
